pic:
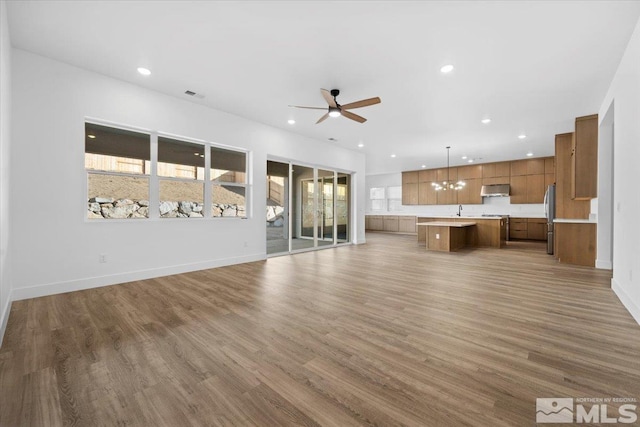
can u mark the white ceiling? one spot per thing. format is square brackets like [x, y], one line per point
[532, 67]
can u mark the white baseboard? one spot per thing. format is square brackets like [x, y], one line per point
[632, 307]
[5, 317]
[96, 282]
[604, 264]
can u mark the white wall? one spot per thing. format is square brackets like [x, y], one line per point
[624, 93]
[55, 249]
[490, 205]
[5, 142]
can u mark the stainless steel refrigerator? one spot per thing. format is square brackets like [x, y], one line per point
[550, 213]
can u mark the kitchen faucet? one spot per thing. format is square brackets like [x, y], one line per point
[459, 210]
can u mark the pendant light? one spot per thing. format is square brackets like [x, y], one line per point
[448, 184]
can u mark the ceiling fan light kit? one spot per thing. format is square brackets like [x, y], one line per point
[335, 110]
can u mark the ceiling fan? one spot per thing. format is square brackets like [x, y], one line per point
[335, 109]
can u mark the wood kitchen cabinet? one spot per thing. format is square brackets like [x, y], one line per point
[375, 223]
[518, 228]
[470, 194]
[427, 194]
[537, 229]
[566, 207]
[391, 223]
[529, 179]
[449, 196]
[469, 172]
[575, 243]
[584, 159]
[518, 190]
[535, 188]
[410, 188]
[407, 224]
[528, 228]
[518, 168]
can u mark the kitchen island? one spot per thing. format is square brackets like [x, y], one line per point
[446, 236]
[487, 232]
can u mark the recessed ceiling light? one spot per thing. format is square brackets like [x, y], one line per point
[393, 155]
[291, 122]
[196, 154]
[144, 71]
[332, 139]
[361, 145]
[201, 155]
[486, 121]
[529, 154]
[522, 136]
[464, 157]
[470, 161]
[423, 166]
[446, 69]
[91, 136]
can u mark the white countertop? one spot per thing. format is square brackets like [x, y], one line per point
[459, 217]
[575, 221]
[447, 224]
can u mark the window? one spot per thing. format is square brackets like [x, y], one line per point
[376, 198]
[394, 202]
[120, 173]
[228, 183]
[181, 178]
[118, 164]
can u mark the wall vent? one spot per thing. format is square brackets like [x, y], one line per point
[194, 94]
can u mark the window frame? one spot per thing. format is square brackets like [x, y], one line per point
[155, 179]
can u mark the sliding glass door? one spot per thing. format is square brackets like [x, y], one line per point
[318, 210]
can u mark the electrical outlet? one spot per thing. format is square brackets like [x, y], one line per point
[102, 258]
[437, 236]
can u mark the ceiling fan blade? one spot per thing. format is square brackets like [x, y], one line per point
[363, 103]
[327, 97]
[323, 118]
[350, 115]
[310, 108]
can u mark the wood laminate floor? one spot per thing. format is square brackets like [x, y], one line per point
[383, 333]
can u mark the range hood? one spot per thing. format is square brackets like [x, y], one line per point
[495, 190]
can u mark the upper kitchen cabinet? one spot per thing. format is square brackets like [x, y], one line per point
[527, 167]
[584, 159]
[518, 190]
[472, 177]
[469, 172]
[470, 193]
[519, 168]
[496, 173]
[410, 188]
[566, 207]
[449, 196]
[427, 194]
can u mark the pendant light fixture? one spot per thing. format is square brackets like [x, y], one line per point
[448, 184]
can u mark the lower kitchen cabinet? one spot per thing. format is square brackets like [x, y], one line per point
[375, 222]
[391, 223]
[575, 243]
[407, 224]
[537, 229]
[517, 228]
[528, 229]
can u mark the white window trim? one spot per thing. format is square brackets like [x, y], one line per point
[154, 179]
